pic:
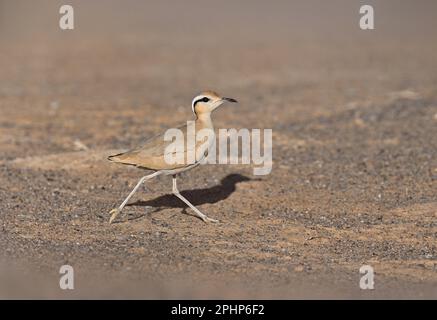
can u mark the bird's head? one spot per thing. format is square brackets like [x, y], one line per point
[208, 101]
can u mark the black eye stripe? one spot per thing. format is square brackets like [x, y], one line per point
[204, 99]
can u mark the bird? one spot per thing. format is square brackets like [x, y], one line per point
[152, 154]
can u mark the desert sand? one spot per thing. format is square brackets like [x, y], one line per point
[354, 120]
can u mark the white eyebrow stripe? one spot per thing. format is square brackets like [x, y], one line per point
[195, 100]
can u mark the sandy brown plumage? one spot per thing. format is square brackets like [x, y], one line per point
[152, 154]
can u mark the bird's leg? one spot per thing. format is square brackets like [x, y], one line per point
[198, 213]
[114, 212]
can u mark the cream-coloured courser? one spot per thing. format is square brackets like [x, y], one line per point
[151, 155]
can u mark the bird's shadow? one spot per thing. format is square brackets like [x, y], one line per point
[196, 196]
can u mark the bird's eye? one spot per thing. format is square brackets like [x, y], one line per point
[204, 99]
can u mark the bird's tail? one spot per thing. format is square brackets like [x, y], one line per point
[115, 157]
[122, 158]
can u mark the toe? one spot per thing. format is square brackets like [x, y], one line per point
[114, 213]
[211, 220]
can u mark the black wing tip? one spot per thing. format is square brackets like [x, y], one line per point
[112, 157]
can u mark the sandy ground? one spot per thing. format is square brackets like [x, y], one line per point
[354, 120]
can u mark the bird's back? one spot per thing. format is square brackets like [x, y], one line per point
[151, 155]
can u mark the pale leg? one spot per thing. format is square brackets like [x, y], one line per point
[198, 213]
[115, 212]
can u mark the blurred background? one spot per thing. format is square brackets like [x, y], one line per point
[353, 114]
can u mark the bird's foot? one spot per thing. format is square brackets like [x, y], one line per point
[114, 213]
[208, 219]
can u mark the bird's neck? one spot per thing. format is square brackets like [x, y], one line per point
[204, 119]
